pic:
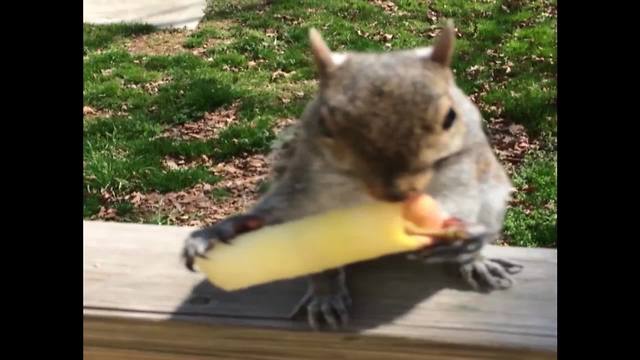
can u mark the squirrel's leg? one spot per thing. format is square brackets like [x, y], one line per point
[202, 240]
[327, 299]
[457, 190]
[481, 273]
[269, 210]
[486, 274]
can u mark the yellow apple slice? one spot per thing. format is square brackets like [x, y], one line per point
[322, 242]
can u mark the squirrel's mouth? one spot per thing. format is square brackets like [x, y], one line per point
[397, 188]
[431, 225]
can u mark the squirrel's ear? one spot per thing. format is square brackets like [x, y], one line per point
[321, 52]
[443, 47]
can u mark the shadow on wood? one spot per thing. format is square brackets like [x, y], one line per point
[382, 291]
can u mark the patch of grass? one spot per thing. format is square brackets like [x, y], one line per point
[255, 45]
[244, 139]
[231, 59]
[135, 74]
[179, 63]
[113, 94]
[120, 130]
[163, 146]
[175, 180]
[200, 37]
[101, 36]
[91, 205]
[107, 168]
[188, 98]
[533, 222]
[538, 40]
[123, 208]
[527, 101]
[95, 64]
[160, 219]
[511, 44]
[123, 173]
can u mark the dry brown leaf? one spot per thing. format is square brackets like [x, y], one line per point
[271, 32]
[107, 213]
[167, 42]
[510, 142]
[281, 74]
[387, 6]
[196, 205]
[207, 127]
[87, 110]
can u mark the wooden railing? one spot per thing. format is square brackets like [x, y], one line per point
[141, 303]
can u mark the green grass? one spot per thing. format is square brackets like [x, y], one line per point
[99, 36]
[200, 37]
[533, 223]
[513, 47]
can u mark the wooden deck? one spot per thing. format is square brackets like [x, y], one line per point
[141, 303]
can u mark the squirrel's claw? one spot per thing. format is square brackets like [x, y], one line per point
[331, 307]
[486, 275]
[203, 240]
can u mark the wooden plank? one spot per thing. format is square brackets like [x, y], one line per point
[121, 338]
[135, 284]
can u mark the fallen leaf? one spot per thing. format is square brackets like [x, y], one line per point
[87, 110]
[281, 74]
[516, 129]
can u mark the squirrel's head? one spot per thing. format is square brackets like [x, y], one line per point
[387, 118]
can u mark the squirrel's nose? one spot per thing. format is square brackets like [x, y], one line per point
[390, 193]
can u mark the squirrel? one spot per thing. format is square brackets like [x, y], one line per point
[383, 126]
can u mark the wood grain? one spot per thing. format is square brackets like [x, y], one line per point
[141, 303]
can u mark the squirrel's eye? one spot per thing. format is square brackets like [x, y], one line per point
[449, 119]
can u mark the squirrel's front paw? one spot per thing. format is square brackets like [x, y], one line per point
[201, 241]
[326, 304]
[486, 275]
[332, 309]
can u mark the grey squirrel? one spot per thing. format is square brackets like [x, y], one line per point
[383, 126]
